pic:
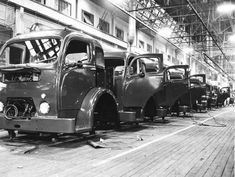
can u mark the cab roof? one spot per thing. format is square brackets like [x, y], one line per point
[119, 54]
[56, 33]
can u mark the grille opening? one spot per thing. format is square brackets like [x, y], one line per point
[20, 107]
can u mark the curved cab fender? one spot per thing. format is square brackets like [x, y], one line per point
[85, 115]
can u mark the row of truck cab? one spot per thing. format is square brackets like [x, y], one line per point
[62, 81]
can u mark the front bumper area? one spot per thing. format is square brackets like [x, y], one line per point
[39, 124]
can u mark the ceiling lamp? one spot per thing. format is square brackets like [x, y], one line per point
[232, 38]
[165, 32]
[188, 50]
[226, 8]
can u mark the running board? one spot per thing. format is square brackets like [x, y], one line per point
[128, 116]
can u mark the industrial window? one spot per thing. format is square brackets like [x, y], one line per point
[119, 33]
[88, 18]
[149, 48]
[141, 44]
[41, 1]
[64, 7]
[168, 57]
[103, 26]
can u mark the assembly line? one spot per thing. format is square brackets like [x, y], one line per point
[125, 88]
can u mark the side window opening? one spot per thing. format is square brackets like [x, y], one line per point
[144, 65]
[176, 74]
[16, 54]
[77, 51]
[151, 65]
[135, 67]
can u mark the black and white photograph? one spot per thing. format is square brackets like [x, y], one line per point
[117, 88]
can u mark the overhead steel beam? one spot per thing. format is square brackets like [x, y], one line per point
[165, 7]
[205, 55]
[182, 15]
[158, 6]
[188, 36]
[188, 23]
[209, 32]
[196, 43]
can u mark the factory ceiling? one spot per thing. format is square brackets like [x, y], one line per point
[194, 23]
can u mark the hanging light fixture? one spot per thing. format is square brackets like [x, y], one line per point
[232, 38]
[188, 50]
[226, 8]
[165, 32]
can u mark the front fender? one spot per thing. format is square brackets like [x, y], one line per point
[85, 117]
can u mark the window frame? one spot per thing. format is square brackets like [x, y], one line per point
[105, 29]
[141, 44]
[169, 58]
[64, 2]
[40, 1]
[84, 19]
[149, 48]
[121, 31]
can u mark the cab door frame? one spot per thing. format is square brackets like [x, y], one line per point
[136, 87]
[79, 69]
[173, 89]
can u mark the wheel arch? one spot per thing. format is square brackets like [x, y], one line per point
[149, 109]
[92, 99]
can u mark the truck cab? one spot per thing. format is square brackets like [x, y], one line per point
[195, 98]
[142, 85]
[212, 95]
[54, 81]
[135, 80]
[223, 94]
[198, 92]
[176, 84]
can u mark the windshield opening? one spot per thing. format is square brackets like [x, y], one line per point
[197, 79]
[31, 51]
[176, 74]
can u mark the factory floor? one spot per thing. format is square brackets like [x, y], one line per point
[195, 145]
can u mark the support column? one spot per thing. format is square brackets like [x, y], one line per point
[19, 22]
[113, 25]
[132, 27]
